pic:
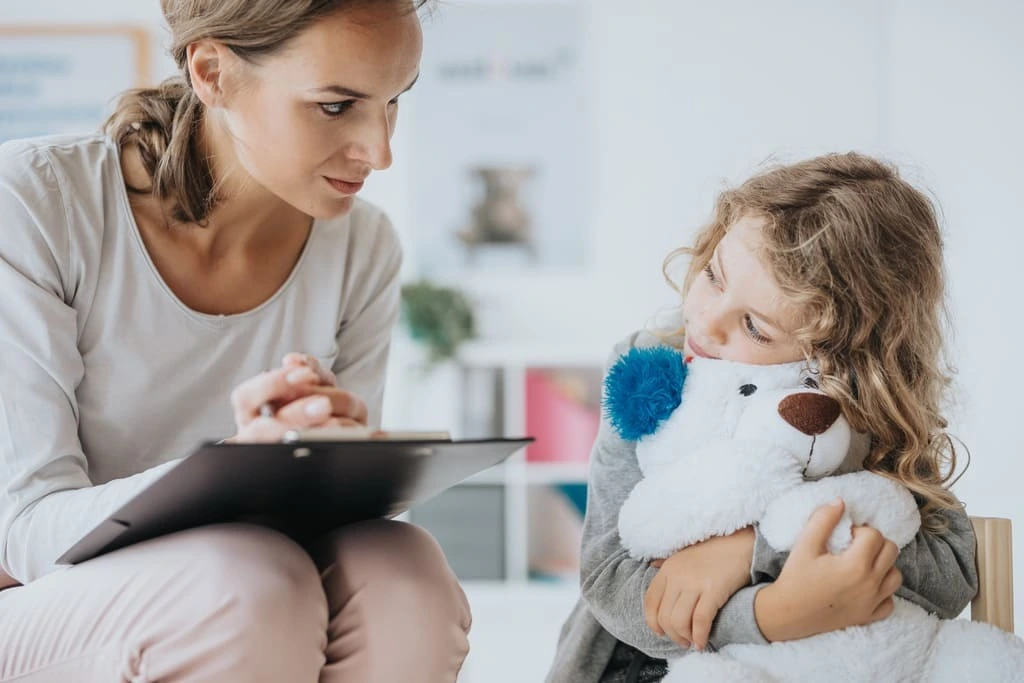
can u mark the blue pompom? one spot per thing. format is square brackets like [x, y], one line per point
[642, 389]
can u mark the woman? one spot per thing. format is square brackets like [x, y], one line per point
[150, 276]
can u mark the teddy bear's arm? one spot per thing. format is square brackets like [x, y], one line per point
[723, 486]
[869, 499]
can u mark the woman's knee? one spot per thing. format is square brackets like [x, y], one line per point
[399, 559]
[266, 574]
[260, 587]
[225, 602]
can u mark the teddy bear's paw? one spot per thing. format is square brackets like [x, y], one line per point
[881, 503]
[786, 516]
[643, 529]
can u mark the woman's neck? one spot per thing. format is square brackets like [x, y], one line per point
[246, 216]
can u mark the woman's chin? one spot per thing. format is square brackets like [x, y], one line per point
[336, 207]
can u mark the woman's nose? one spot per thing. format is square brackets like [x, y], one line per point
[374, 144]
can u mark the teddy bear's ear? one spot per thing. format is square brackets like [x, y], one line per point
[642, 388]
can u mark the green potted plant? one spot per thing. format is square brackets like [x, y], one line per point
[439, 317]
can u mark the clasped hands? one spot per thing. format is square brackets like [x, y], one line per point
[815, 592]
[300, 394]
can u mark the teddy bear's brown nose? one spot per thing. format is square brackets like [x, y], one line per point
[811, 413]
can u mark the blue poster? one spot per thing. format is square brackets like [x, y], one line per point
[64, 81]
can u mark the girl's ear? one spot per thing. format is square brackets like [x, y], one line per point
[642, 388]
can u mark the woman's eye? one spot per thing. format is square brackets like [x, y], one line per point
[335, 109]
[754, 333]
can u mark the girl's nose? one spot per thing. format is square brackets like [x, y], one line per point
[714, 325]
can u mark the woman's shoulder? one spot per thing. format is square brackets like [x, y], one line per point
[69, 152]
[57, 173]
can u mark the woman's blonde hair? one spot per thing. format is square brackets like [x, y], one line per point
[162, 122]
[859, 251]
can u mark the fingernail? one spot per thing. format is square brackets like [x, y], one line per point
[836, 503]
[300, 375]
[317, 408]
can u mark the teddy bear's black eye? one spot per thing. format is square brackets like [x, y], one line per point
[748, 389]
[810, 383]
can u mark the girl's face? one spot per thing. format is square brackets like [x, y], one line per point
[735, 310]
[310, 123]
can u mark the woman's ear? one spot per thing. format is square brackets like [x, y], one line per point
[207, 60]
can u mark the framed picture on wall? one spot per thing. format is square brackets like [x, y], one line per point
[64, 79]
[501, 144]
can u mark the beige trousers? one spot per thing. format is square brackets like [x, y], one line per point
[375, 602]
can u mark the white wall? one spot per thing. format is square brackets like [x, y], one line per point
[686, 94]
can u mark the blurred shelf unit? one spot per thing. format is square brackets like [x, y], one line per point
[521, 522]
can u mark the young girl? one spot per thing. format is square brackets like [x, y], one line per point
[150, 274]
[836, 260]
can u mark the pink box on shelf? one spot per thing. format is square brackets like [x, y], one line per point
[563, 424]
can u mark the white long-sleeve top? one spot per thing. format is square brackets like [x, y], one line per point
[107, 378]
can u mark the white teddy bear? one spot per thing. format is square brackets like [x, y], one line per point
[724, 445]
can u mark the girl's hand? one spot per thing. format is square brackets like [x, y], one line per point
[304, 395]
[819, 592]
[693, 584]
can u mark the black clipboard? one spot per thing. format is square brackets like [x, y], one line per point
[304, 489]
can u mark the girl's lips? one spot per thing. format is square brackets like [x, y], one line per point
[345, 187]
[697, 350]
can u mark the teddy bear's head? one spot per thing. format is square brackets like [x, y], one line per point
[802, 421]
[665, 402]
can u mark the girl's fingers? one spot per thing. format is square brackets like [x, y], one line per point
[652, 604]
[704, 614]
[891, 583]
[884, 609]
[682, 618]
[886, 558]
[668, 604]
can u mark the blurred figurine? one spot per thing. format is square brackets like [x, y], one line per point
[500, 218]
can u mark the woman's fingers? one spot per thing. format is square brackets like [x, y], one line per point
[293, 359]
[321, 404]
[274, 386]
[261, 430]
[311, 411]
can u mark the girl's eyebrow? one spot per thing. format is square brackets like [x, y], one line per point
[717, 256]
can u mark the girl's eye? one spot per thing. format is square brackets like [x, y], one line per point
[336, 109]
[753, 331]
[711, 274]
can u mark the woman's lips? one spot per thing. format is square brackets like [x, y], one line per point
[344, 186]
